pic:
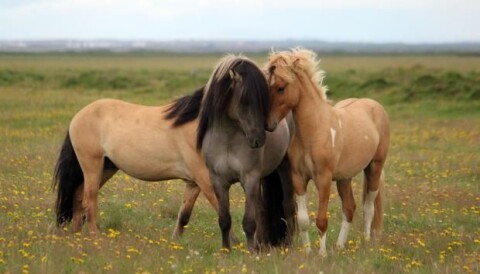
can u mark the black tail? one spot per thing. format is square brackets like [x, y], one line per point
[68, 177]
[277, 212]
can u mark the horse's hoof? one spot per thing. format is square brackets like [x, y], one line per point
[234, 239]
[308, 250]
[177, 234]
[322, 253]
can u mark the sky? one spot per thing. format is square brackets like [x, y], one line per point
[377, 21]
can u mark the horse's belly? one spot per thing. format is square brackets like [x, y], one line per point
[153, 172]
[353, 162]
[153, 162]
[275, 148]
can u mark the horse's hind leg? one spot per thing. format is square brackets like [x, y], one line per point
[344, 188]
[78, 216]
[92, 173]
[288, 202]
[78, 209]
[372, 199]
[189, 197]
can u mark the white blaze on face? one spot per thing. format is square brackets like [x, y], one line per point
[332, 133]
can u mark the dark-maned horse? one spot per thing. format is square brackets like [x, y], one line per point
[236, 147]
[142, 141]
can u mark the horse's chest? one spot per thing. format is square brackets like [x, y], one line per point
[226, 162]
[303, 163]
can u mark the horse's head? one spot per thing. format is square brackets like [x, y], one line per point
[238, 90]
[288, 73]
[249, 105]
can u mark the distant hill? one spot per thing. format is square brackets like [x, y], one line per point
[198, 46]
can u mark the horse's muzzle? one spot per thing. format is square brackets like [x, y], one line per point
[256, 142]
[270, 127]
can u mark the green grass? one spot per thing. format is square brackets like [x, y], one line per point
[432, 222]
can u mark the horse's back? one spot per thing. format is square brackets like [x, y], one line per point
[364, 125]
[136, 138]
[364, 108]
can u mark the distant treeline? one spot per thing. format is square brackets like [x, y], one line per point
[198, 46]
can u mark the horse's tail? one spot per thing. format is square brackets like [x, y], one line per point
[277, 224]
[68, 177]
[377, 222]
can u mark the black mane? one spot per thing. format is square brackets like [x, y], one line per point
[186, 108]
[219, 92]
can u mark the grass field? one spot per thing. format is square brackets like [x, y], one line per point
[432, 222]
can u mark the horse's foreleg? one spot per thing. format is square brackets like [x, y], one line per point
[190, 195]
[251, 186]
[302, 215]
[323, 182]
[207, 189]
[344, 188]
[222, 189]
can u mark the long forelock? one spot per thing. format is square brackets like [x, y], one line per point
[255, 89]
[217, 95]
[297, 61]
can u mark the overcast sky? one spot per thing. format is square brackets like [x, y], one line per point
[411, 21]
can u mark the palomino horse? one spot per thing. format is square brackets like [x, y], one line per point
[235, 146]
[109, 135]
[330, 143]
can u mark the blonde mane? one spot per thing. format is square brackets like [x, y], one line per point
[288, 64]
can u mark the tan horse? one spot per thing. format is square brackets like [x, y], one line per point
[143, 141]
[330, 143]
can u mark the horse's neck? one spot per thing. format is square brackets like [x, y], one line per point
[312, 111]
[224, 129]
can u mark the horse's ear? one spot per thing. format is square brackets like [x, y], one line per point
[295, 63]
[271, 69]
[234, 75]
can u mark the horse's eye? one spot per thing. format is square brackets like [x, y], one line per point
[281, 89]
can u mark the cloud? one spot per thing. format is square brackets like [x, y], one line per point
[395, 20]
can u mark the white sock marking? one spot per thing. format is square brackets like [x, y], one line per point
[323, 245]
[368, 211]
[303, 220]
[342, 237]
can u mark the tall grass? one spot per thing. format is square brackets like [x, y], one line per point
[432, 207]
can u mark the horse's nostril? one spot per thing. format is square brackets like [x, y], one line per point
[255, 143]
